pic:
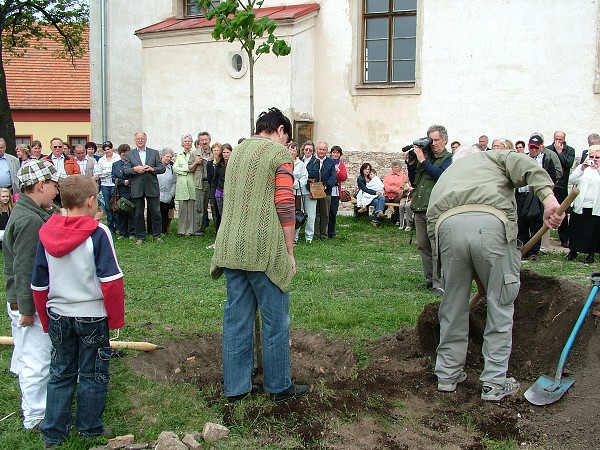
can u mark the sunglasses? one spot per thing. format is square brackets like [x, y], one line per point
[534, 146]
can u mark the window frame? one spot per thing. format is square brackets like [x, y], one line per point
[411, 87]
[23, 138]
[73, 140]
[188, 3]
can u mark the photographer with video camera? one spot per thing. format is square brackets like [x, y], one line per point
[427, 160]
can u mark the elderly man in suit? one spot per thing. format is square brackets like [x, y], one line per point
[86, 163]
[143, 164]
[9, 166]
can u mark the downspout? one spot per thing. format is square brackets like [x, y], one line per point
[103, 64]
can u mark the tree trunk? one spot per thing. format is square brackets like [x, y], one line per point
[7, 126]
[251, 63]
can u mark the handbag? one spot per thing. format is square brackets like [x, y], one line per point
[345, 197]
[317, 190]
[532, 208]
[301, 216]
[125, 205]
[114, 199]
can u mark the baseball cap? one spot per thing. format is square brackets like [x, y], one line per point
[35, 171]
[536, 140]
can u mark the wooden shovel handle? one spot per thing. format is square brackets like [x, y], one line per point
[143, 346]
[560, 210]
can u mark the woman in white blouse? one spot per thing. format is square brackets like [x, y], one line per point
[584, 224]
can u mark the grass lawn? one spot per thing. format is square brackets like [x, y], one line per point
[362, 285]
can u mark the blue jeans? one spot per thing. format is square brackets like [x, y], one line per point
[80, 348]
[107, 192]
[379, 204]
[245, 291]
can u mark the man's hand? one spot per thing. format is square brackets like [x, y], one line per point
[551, 220]
[26, 321]
[419, 152]
[139, 169]
[558, 146]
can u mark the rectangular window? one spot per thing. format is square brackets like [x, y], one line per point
[192, 9]
[390, 41]
[74, 140]
[23, 140]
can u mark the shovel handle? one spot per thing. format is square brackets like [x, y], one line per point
[559, 211]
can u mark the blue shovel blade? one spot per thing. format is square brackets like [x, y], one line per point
[548, 390]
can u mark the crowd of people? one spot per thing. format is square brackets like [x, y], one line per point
[469, 207]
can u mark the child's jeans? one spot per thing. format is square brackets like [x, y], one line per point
[80, 348]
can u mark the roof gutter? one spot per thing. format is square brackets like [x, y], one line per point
[103, 64]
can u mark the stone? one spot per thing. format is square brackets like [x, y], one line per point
[191, 442]
[214, 432]
[140, 446]
[120, 442]
[167, 440]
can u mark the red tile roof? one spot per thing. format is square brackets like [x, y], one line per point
[40, 80]
[274, 12]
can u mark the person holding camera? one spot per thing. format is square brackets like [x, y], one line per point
[585, 217]
[425, 165]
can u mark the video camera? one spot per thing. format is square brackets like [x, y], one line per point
[423, 143]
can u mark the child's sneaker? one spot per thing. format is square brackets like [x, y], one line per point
[450, 386]
[494, 392]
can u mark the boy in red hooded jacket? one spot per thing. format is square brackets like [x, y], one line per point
[77, 311]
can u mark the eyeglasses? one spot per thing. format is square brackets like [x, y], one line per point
[534, 146]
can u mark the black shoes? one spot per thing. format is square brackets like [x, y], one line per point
[571, 255]
[235, 398]
[589, 259]
[426, 285]
[294, 391]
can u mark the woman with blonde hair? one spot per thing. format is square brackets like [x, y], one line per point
[185, 191]
[6, 207]
[23, 153]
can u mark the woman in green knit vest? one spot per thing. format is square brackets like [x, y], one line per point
[255, 251]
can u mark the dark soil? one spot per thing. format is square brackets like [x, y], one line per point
[392, 403]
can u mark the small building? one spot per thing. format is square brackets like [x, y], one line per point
[49, 96]
[368, 75]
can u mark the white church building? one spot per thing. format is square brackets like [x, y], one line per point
[368, 75]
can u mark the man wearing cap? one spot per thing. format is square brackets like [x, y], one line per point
[530, 209]
[566, 156]
[38, 182]
[9, 166]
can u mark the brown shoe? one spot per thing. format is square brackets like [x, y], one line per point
[139, 242]
[380, 214]
[362, 210]
[374, 223]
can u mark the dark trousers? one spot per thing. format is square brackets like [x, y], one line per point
[164, 217]
[153, 213]
[527, 228]
[333, 210]
[563, 230]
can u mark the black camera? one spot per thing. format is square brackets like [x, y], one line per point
[423, 143]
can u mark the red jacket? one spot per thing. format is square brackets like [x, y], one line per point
[71, 166]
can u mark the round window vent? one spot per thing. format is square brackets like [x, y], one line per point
[237, 64]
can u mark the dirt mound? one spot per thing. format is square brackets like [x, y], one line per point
[359, 391]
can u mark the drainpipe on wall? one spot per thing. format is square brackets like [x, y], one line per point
[103, 64]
